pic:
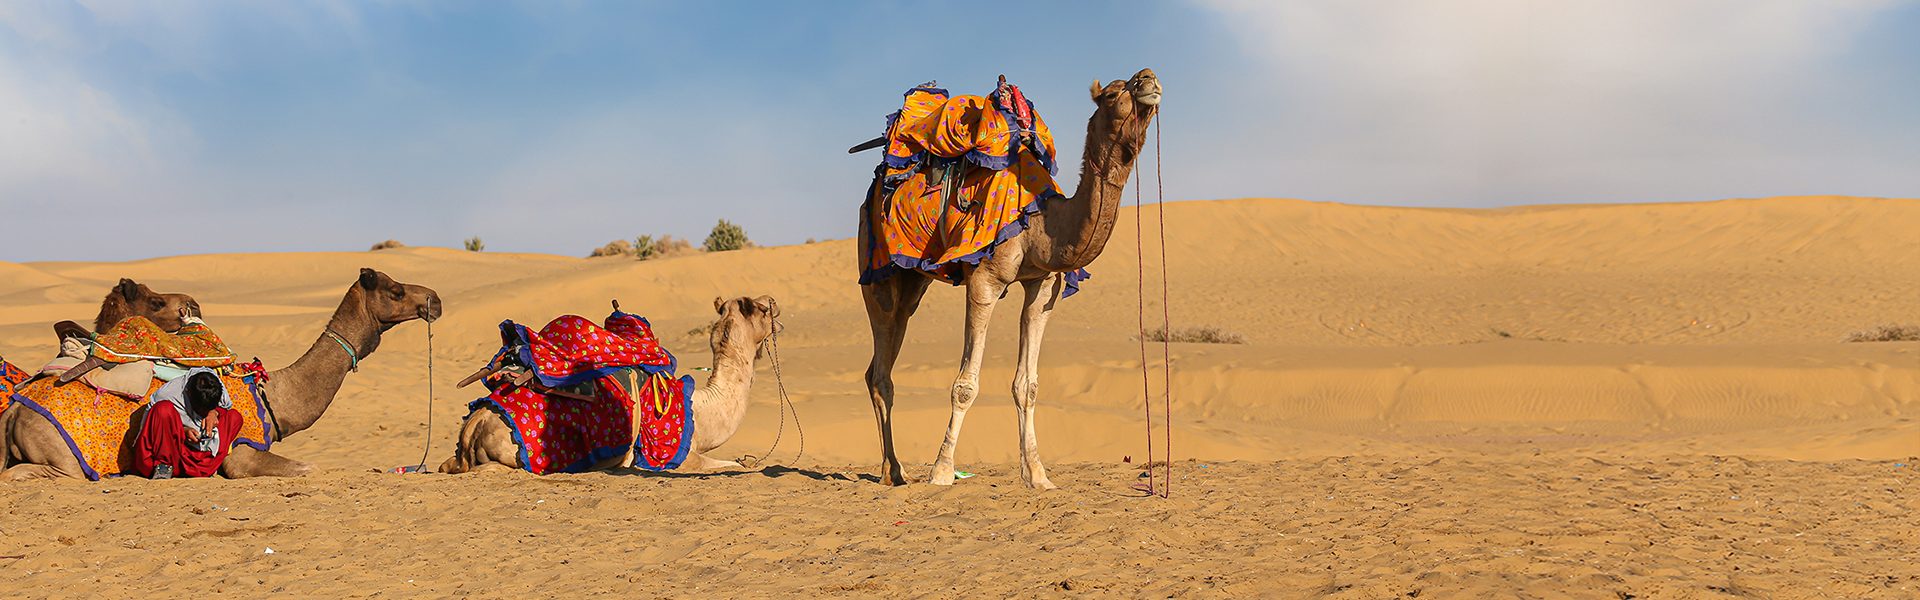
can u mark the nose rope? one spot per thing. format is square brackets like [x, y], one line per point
[786, 404]
[421, 467]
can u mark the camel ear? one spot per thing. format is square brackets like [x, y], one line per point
[127, 289]
[1097, 88]
[719, 305]
[369, 278]
[767, 305]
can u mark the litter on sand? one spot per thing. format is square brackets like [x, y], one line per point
[961, 474]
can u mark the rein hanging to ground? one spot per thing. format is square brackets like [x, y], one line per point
[422, 467]
[1154, 485]
[786, 404]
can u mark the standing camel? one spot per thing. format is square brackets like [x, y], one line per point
[487, 444]
[1064, 237]
[31, 448]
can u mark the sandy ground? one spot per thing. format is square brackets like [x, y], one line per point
[1645, 401]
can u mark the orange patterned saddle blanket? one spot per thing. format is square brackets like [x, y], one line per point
[961, 175]
[100, 427]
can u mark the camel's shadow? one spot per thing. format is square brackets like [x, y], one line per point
[770, 472]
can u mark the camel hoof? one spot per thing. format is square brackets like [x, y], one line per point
[1042, 484]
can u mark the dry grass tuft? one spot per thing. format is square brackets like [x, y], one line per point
[1196, 335]
[613, 248]
[1887, 333]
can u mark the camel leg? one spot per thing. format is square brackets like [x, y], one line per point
[34, 448]
[890, 305]
[983, 292]
[696, 460]
[244, 461]
[485, 439]
[1037, 306]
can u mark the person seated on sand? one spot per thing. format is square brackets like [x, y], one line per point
[137, 338]
[188, 428]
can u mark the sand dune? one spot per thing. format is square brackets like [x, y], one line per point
[1518, 347]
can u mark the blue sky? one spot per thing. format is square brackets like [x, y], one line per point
[555, 127]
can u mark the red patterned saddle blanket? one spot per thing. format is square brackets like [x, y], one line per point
[569, 431]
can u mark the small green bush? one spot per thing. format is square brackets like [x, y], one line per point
[475, 245]
[727, 236]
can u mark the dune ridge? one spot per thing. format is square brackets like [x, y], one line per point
[1606, 401]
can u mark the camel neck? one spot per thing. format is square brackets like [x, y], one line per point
[301, 393]
[1076, 231]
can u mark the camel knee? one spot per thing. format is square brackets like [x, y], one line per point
[1025, 391]
[964, 392]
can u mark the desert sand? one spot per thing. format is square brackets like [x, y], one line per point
[1607, 401]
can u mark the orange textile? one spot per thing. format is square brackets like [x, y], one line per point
[959, 178]
[137, 338]
[100, 427]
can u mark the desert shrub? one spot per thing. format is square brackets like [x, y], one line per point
[662, 247]
[474, 244]
[1196, 335]
[727, 236]
[1887, 333]
[613, 248]
[386, 244]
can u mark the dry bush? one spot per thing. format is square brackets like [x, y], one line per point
[613, 248]
[668, 246]
[1196, 335]
[1887, 333]
[386, 244]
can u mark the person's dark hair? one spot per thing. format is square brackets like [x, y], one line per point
[203, 393]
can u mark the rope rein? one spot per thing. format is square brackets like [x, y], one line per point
[1166, 307]
[786, 404]
[424, 452]
[1155, 487]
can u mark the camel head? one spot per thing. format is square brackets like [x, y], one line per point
[134, 299]
[744, 323]
[391, 302]
[1125, 108]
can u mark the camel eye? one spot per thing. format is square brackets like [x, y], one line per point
[399, 294]
[156, 304]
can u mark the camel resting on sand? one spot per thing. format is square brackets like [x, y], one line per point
[486, 444]
[30, 447]
[133, 299]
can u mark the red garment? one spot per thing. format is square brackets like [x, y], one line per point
[163, 441]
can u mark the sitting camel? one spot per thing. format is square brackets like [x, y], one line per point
[133, 299]
[718, 407]
[31, 447]
[126, 300]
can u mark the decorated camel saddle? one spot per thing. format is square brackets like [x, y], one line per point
[961, 175]
[96, 391]
[575, 393]
[100, 424]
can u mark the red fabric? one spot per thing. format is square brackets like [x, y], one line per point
[10, 377]
[163, 441]
[666, 422]
[562, 434]
[573, 347]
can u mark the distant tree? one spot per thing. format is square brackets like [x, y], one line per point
[475, 245]
[644, 248]
[727, 236]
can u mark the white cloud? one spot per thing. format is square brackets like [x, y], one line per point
[1539, 101]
